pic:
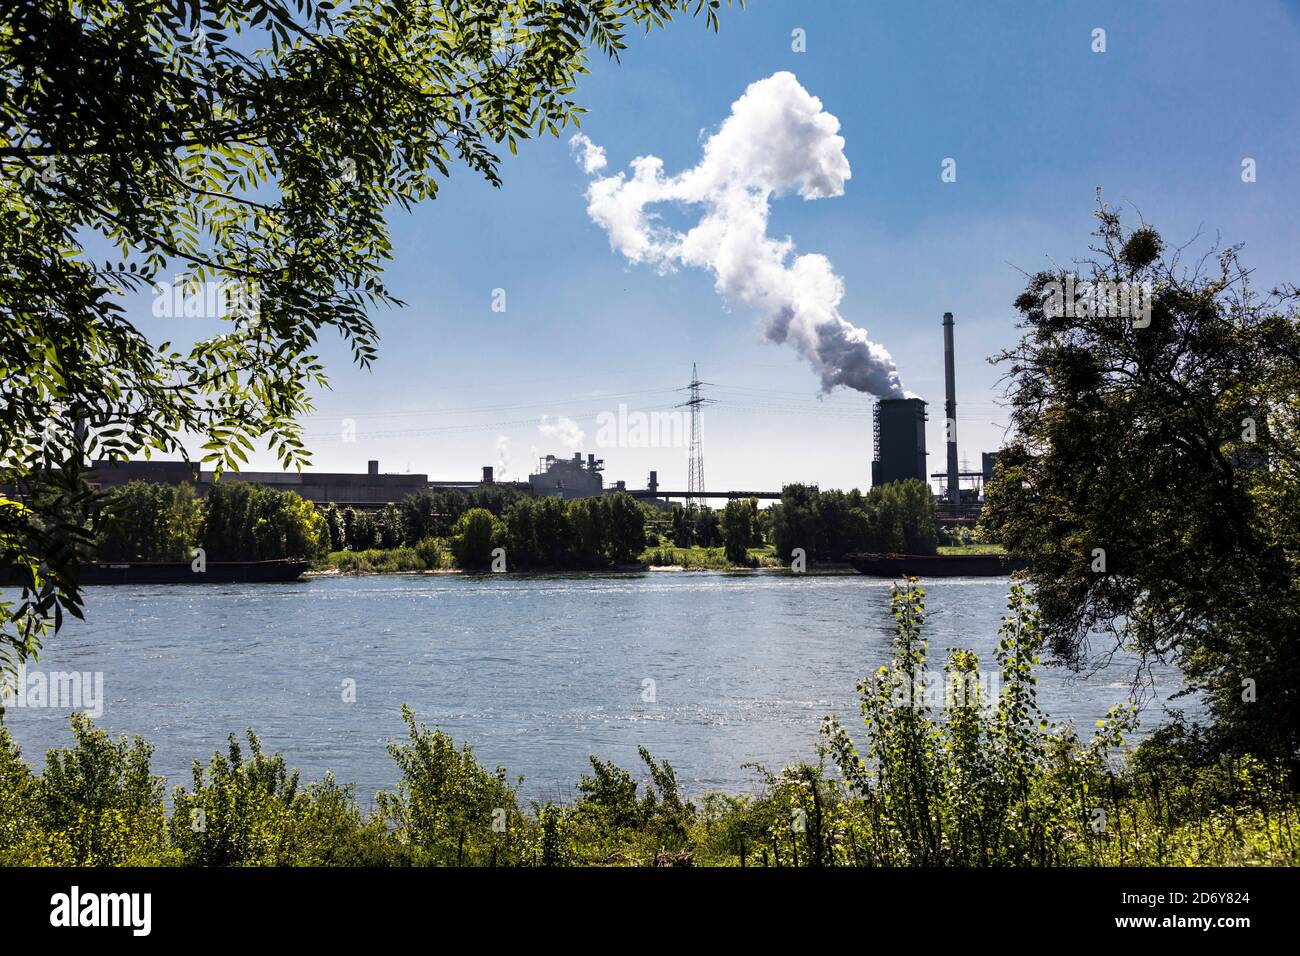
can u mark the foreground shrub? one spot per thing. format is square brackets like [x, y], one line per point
[22, 837]
[612, 823]
[448, 809]
[96, 804]
[241, 812]
[991, 781]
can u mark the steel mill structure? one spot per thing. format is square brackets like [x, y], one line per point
[898, 445]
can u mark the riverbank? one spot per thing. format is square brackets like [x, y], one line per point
[430, 560]
[434, 557]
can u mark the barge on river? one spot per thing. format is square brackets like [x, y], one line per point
[936, 565]
[183, 572]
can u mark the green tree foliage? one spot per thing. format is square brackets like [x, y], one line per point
[895, 518]
[254, 145]
[390, 527]
[97, 803]
[334, 523]
[243, 522]
[589, 529]
[149, 522]
[581, 534]
[901, 518]
[428, 513]
[538, 533]
[625, 521]
[419, 515]
[706, 528]
[448, 809]
[794, 521]
[758, 525]
[476, 534]
[359, 529]
[682, 531]
[1153, 479]
[233, 522]
[738, 521]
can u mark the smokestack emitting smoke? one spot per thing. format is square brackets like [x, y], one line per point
[777, 140]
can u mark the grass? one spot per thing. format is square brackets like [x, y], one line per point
[428, 555]
[971, 549]
[713, 559]
[375, 562]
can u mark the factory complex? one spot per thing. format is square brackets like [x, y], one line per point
[898, 454]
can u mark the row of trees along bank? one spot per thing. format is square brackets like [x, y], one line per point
[237, 521]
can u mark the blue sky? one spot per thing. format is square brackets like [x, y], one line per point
[1012, 91]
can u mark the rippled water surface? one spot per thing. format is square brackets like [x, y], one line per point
[534, 672]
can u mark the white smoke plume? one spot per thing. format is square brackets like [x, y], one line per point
[777, 140]
[503, 456]
[562, 429]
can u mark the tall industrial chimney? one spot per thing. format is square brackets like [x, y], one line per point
[950, 411]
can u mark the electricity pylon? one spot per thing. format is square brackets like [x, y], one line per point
[695, 457]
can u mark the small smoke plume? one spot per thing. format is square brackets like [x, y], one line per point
[503, 456]
[561, 429]
[777, 140]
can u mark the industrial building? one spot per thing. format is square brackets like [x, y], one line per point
[898, 445]
[568, 477]
[370, 490]
[898, 442]
[555, 477]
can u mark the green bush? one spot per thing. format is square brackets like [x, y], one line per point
[23, 840]
[475, 536]
[251, 811]
[98, 803]
[448, 809]
[240, 812]
[434, 554]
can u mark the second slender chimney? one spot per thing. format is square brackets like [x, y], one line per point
[950, 411]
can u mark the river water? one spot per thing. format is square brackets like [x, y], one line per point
[710, 670]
